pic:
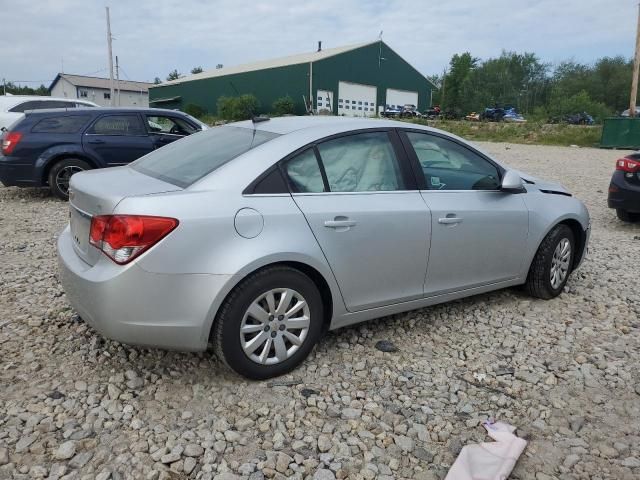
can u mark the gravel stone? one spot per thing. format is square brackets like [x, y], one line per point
[76, 404]
[66, 450]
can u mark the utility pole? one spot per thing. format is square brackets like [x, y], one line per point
[4, 85]
[118, 80]
[444, 81]
[110, 58]
[636, 69]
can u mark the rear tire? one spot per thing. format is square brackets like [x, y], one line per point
[256, 338]
[627, 216]
[551, 266]
[61, 173]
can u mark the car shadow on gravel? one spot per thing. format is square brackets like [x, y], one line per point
[27, 194]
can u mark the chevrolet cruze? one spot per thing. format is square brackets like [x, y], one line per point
[258, 236]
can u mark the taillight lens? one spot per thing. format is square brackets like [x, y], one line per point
[628, 165]
[123, 237]
[9, 142]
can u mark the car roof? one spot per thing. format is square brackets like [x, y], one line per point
[9, 101]
[286, 125]
[80, 110]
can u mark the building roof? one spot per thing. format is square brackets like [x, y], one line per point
[266, 64]
[98, 82]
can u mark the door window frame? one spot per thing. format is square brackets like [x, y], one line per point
[405, 169]
[110, 114]
[413, 159]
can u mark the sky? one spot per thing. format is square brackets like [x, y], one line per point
[39, 38]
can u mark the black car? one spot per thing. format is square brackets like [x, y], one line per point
[49, 146]
[624, 189]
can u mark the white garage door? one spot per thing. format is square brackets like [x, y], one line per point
[356, 100]
[399, 98]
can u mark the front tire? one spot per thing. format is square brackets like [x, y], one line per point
[551, 266]
[269, 323]
[61, 173]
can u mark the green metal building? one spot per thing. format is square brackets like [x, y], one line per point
[355, 80]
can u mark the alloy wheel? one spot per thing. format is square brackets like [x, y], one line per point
[560, 263]
[275, 326]
[64, 175]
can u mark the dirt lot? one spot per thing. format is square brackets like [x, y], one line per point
[73, 405]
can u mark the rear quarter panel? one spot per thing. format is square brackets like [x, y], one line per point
[206, 241]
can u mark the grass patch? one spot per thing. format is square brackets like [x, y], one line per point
[530, 133]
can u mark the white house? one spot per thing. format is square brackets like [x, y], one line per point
[97, 90]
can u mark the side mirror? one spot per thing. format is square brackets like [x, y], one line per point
[512, 183]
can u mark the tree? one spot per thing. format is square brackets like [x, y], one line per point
[174, 75]
[195, 70]
[457, 81]
[14, 89]
[283, 106]
[157, 81]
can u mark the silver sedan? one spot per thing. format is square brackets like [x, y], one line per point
[259, 236]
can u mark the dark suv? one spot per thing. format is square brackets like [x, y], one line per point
[49, 146]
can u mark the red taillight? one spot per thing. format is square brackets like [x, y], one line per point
[9, 142]
[628, 165]
[123, 237]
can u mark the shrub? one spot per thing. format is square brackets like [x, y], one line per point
[195, 110]
[283, 106]
[237, 108]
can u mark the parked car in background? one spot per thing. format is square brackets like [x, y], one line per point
[511, 115]
[582, 118]
[48, 146]
[624, 189]
[12, 107]
[257, 237]
[625, 113]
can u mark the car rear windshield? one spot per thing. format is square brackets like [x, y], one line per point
[190, 159]
[63, 124]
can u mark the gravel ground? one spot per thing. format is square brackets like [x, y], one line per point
[565, 371]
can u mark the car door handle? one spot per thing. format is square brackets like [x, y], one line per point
[339, 223]
[450, 220]
[96, 141]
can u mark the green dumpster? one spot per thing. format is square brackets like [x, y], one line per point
[621, 132]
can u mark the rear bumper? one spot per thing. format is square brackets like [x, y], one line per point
[131, 305]
[18, 172]
[623, 194]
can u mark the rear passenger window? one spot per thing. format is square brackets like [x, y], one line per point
[361, 163]
[304, 173]
[70, 124]
[118, 125]
[23, 107]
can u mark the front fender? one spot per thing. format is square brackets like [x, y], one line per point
[545, 212]
[50, 155]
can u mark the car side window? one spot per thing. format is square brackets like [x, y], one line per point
[303, 172]
[66, 124]
[169, 125]
[363, 162]
[447, 165]
[117, 125]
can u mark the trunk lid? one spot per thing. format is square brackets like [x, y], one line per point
[97, 192]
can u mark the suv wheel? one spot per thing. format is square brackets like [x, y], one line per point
[269, 323]
[627, 216]
[551, 266]
[61, 173]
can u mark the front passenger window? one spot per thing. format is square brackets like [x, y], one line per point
[447, 165]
